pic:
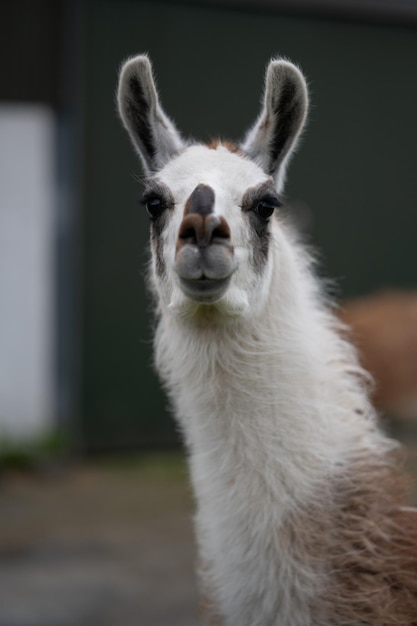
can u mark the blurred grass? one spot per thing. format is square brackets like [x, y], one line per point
[34, 453]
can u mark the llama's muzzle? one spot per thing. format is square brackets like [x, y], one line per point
[204, 259]
[203, 230]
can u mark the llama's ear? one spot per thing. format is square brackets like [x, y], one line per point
[153, 134]
[272, 139]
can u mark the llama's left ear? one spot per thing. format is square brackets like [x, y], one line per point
[272, 139]
[152, 133]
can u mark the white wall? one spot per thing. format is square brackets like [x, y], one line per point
[26, 270]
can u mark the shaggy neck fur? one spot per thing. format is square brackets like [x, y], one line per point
[278, 425]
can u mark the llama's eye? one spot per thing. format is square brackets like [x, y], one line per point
[265, 208]
[155, 207]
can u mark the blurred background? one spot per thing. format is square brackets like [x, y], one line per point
[96, 513]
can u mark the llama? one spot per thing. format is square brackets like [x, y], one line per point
[300, 518]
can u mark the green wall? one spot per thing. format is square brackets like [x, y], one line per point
[352, 185]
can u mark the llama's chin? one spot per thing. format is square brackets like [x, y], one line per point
[229, 303]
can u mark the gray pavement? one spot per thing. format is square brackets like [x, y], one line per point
[102, 545]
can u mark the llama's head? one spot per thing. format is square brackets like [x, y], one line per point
[211, 207]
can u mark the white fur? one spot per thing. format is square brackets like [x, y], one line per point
[266, 406]
[267, 393]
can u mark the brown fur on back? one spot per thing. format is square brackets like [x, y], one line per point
[371, 548]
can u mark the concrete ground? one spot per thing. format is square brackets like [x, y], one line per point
[103, 544]
[98, 545]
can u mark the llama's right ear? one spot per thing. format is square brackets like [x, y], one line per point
[272, 139]
[153, 134]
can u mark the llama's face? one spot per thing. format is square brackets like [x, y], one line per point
[211, 212]
[211, 207]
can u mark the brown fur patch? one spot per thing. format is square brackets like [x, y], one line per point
[369, 547]
[215, 143]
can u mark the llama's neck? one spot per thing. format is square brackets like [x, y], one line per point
[268, 412]
[277, 389]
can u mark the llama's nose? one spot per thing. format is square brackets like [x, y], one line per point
[200, 226]
[203, 230]
[201, 201]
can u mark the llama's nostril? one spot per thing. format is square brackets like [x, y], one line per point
[189, 234]
[221, 229]
[191, 229]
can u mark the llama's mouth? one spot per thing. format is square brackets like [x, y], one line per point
[205, 290]
[205, 272]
